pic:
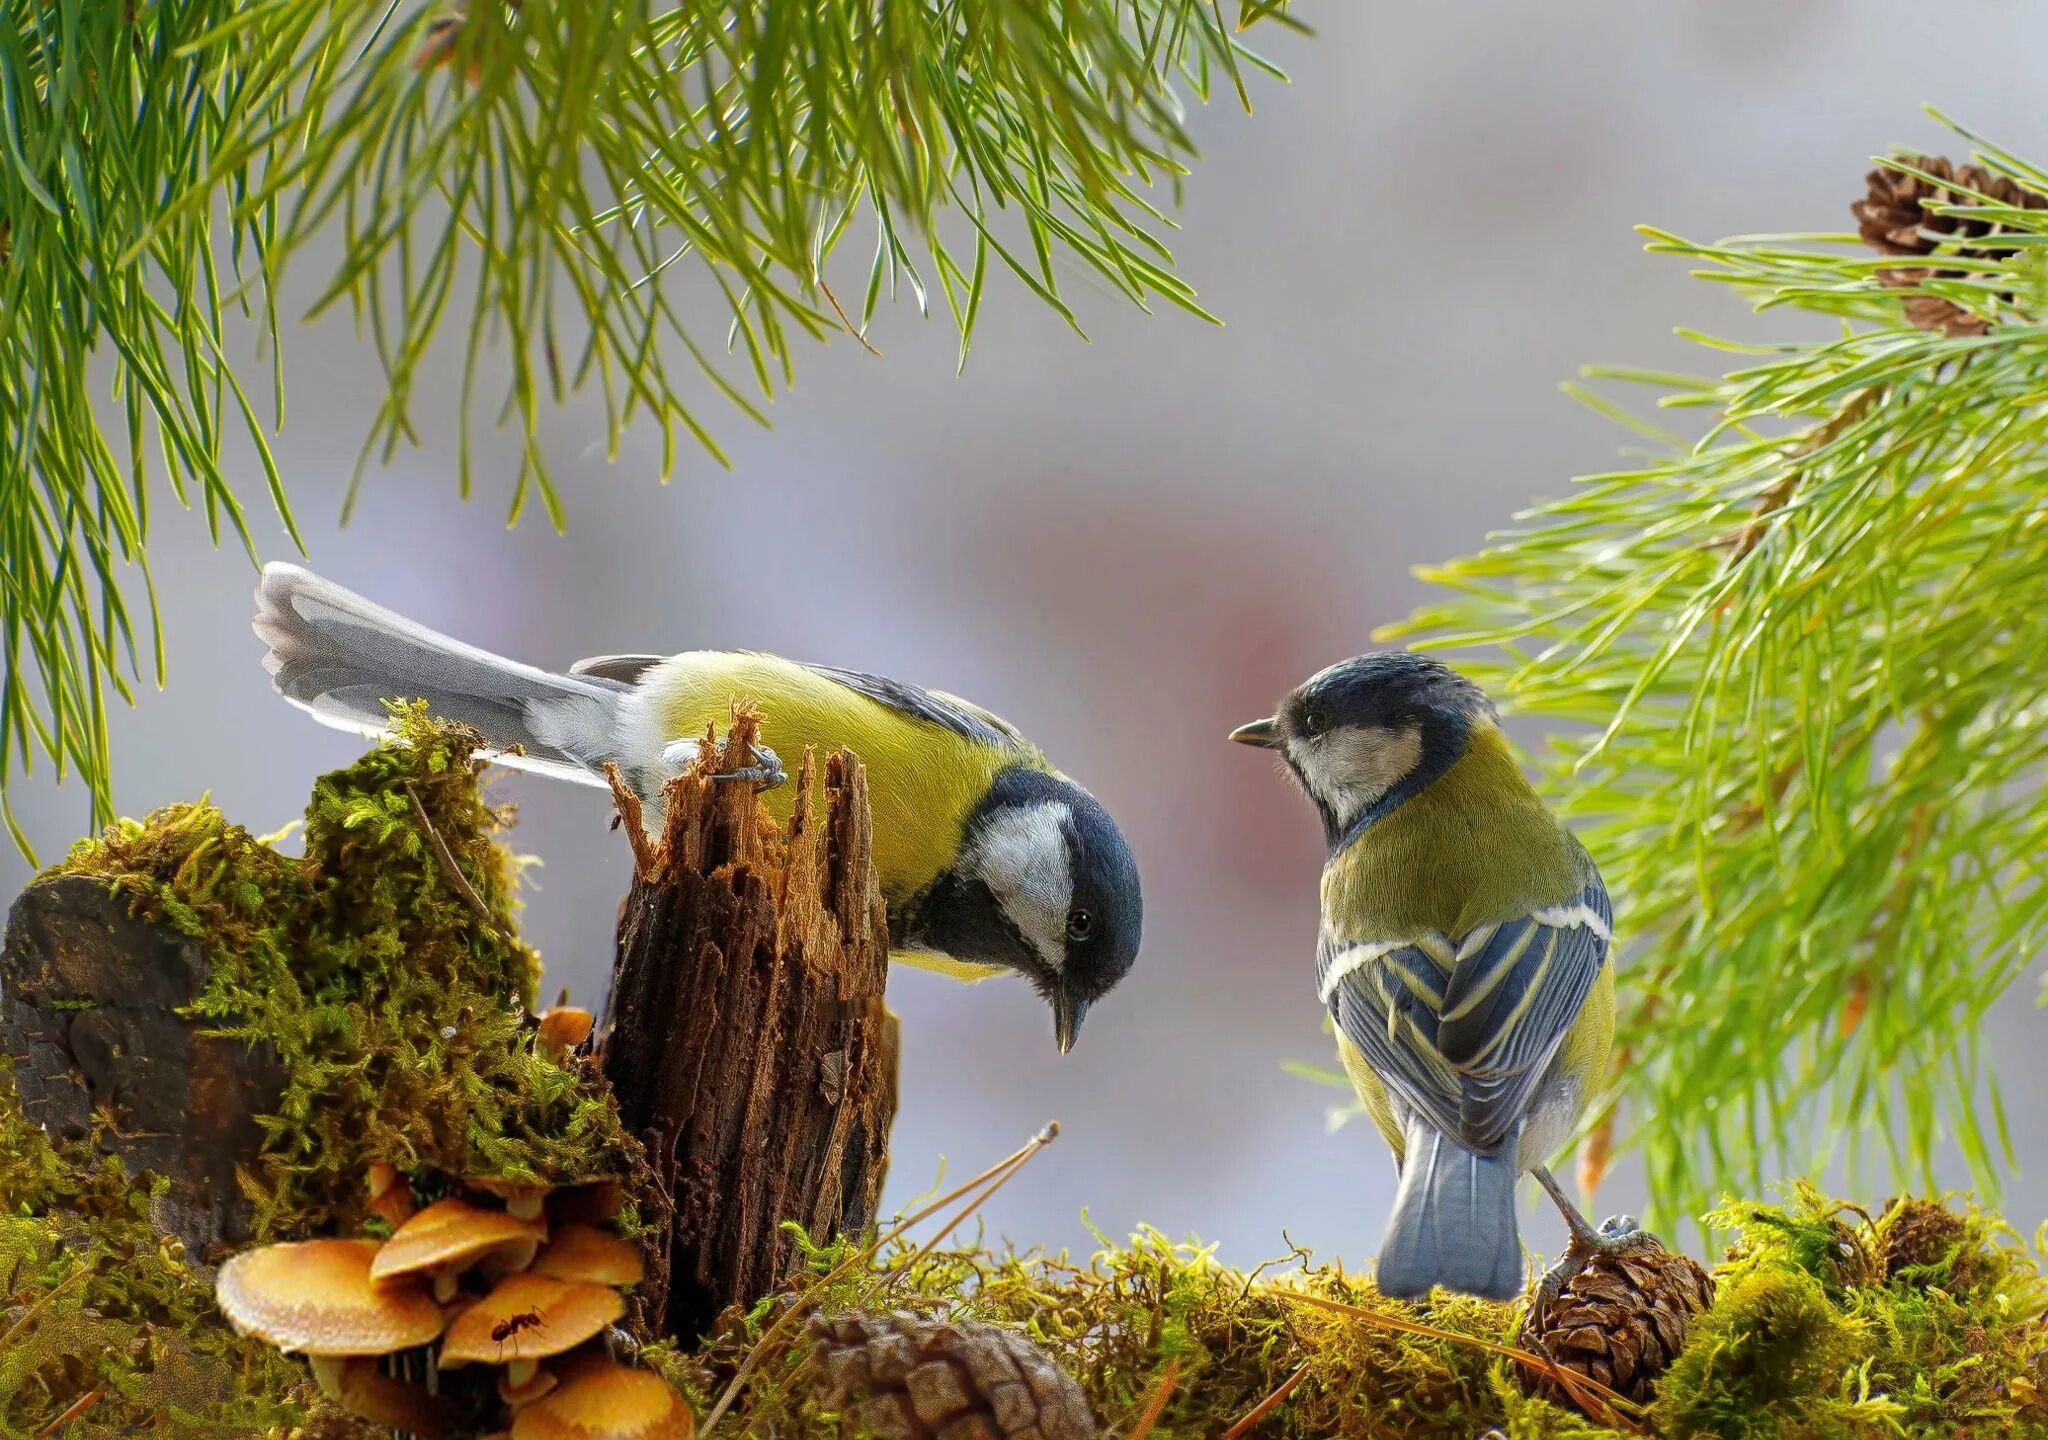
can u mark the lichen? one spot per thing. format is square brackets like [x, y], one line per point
[396, 993]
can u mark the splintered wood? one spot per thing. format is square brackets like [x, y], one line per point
[747, 1039]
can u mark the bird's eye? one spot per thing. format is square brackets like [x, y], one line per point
[1311, 722]
[1080, 924]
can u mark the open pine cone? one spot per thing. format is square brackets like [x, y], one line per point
[903, 1377]
[1621, 1320]
[1926, 1243]
[1897, 217]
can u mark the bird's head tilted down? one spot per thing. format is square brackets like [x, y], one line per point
[1365, 734]
[1043, 885]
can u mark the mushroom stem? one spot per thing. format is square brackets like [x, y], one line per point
[327, 1374]
[446, 1282]
[520, 1372]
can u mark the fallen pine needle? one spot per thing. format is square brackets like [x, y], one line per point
[1156, 1406]
[1267, 1406]
[1574, 1384]
[78, 1407]
[998, 1172]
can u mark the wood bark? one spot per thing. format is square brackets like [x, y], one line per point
[746, 1038]
[89, 1001]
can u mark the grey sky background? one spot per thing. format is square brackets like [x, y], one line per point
[1131, 545]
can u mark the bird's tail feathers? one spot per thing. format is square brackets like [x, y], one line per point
[1454, 1221]
[341, 658]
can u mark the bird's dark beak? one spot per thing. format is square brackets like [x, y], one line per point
[1067, 1013]
[1263, 733]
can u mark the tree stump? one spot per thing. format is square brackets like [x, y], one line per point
[746, 1037]
[89, 1002]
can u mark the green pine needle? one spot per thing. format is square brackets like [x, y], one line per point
[1799, 668]
[564, 183]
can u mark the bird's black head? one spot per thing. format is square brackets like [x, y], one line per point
[1043, 885]
[1368, 733]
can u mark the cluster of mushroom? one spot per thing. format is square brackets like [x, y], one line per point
[531, 1286]
[514, 1288]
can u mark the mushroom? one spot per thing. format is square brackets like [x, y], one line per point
[562, 1029]
[517, 1395]
[316, 1298]
[363, 1389]
[589, 1254]
[526, 1319]
[390, 1195]
[523, 1198]
[603, 1401]
[447, 1238]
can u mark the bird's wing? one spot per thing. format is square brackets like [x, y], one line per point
[624, 669]
[1463, 1031]
[962, 717]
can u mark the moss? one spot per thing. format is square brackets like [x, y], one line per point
[1784, 1353]
[97, 1302]
[395, 993]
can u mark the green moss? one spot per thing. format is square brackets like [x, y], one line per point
[97, 1301]
[395, 993]
[1803, 1343]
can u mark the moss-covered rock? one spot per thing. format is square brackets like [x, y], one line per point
[384, 969]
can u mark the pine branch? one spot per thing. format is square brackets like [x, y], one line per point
[565, 182]
[1799, 667]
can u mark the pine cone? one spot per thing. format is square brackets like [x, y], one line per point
[903, 1377]
[1926, 1243]
[1897, 217]
[1621, 1320]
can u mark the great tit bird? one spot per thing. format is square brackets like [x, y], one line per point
[1462, 955]
[990, 860]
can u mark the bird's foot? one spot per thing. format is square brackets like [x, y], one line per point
[766, 771]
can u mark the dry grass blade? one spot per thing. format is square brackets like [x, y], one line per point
[1268, 1405]
[1156, 1406]
[998, 1173]
[75, 1409]
[1582, 1388]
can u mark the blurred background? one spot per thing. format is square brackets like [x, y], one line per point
[1128, 546]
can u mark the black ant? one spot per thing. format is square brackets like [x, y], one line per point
[526, 1320]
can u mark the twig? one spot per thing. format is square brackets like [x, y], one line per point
[1573, 1383]
[1156, 1406]
[841, 313]
[77, 1408]
[1780, 492]
[1268, 1405]
[451, 869]
[29, 1316]
[1012, 1162]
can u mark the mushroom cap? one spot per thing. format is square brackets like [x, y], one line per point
[450, 1234]
[556, 1314]
[564, 1027]
[516, 1395]
[603, 1401]
[590, 1254]
[316, 1297]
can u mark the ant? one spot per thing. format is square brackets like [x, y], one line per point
[526, 1320]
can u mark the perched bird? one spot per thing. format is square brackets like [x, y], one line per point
[990, 860]
[1462, 955]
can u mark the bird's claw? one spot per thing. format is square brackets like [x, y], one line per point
[766, 771]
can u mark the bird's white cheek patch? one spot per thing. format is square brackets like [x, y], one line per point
[1348, 769]
[1021, 855]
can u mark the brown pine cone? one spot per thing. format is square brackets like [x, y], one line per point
[1926, 1243]
[1896, 217]
[1621, 1320]
[904, 1377]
